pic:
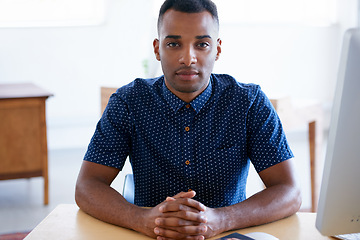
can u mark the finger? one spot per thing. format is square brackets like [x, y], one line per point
[189, 194]
[200, 237]
[173, 222]
[168, 234]
[181, 218]
[168, 199]
[178, 208]
[187, 232]
[182, 204]
[187, 238]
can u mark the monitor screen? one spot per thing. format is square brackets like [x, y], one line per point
[339, 202]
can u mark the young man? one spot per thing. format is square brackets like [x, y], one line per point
[190, 136]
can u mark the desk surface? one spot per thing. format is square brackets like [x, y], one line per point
[68, 222]
[22, 90]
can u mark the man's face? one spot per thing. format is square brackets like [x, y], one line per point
[188, 47]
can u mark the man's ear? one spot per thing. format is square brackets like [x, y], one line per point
[156, 43]
[218, 49]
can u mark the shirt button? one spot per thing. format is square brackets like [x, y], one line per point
[187, 106]
[187, 129]
[189, 190]
[187, 162]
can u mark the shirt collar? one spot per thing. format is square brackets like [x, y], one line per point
[176, 103]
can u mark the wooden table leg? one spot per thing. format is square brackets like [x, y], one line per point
[45, 173]
[46, 185]
[312, 148]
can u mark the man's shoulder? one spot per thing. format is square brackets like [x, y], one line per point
[140, 87]
[226, 83]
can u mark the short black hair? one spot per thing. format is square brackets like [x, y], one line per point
[189, 6]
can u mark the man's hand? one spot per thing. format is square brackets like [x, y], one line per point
[186, 218]
[173, 212]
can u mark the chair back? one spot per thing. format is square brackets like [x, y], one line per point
[129, 188]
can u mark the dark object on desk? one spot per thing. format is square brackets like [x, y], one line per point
[14, 236]
[234, 236]
[23, 140]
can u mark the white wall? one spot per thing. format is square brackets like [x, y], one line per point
[73, 62]
[296, 61]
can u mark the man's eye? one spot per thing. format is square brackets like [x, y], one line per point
[172, 44]
[203, 45]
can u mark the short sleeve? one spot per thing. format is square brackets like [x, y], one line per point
[110, 144]
[267, 143]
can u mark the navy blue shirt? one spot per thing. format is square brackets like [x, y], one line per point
[205, 145]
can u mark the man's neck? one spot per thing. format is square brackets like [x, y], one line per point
[187, 96]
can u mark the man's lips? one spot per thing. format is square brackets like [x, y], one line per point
[187, 74]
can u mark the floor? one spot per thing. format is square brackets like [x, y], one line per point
[21, 201]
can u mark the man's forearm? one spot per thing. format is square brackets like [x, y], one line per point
[105, 203]
[269, 205]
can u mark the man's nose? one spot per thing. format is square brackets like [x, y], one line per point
[188, 57]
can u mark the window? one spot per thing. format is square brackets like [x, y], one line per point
[49, 13]
[305, 12]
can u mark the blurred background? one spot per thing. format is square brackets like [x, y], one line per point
[72, 48]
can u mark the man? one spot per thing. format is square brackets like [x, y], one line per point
[190, 136]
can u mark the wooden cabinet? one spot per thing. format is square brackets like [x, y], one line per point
[23, 140]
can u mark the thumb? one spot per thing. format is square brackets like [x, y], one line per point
[189, 194]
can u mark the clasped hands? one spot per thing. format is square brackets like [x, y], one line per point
[181, 217]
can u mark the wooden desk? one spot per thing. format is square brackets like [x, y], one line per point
[23, 142]
[68, 222]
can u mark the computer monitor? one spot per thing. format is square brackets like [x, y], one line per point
[339, 202]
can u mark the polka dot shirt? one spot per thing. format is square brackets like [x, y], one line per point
[205, 145]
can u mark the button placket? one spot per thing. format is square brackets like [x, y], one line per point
[188, 143]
